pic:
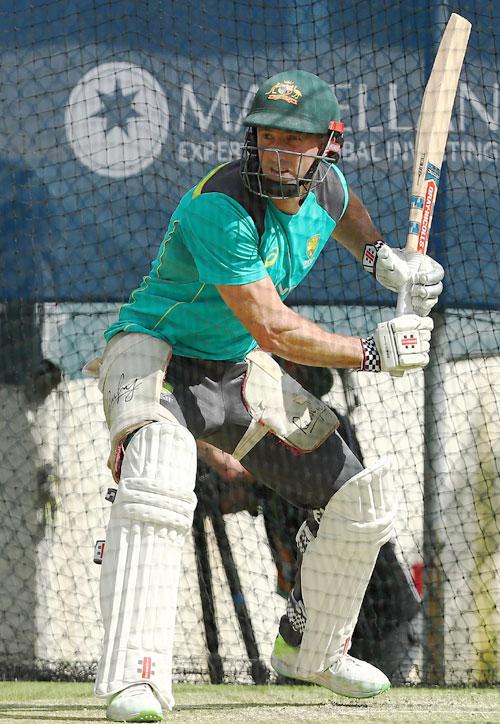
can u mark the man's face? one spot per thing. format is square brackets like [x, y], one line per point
[280, 153]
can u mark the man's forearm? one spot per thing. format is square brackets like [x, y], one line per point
[281, 331]
[299, 340]
[356, 228]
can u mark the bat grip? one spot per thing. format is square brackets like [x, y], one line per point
[404, 305]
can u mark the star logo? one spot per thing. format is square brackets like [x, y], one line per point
[117, 108]
[117, 119]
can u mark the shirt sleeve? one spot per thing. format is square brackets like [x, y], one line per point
[345, 188]
[223, 240]
[332, 194]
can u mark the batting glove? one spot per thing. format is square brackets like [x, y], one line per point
[398, 345]
[394, 267]
[426, 285]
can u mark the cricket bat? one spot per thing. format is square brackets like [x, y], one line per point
[430, 143]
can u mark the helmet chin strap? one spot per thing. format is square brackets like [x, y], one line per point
[277, 190]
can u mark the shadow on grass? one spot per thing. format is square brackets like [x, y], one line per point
[41, 711]
[266, 704]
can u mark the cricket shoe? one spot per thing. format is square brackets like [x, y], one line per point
[136, 703]
[348, 677]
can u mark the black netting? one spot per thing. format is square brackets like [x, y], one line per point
[110, 111]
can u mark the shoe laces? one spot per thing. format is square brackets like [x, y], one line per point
[138, 690]
[346, 661]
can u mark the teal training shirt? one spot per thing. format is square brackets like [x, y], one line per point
[220, 233]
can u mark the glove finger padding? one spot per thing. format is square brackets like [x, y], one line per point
[429, 271]
[426, 291]
[403, 343]
[425, 297]
[426, 285]
[391, 268]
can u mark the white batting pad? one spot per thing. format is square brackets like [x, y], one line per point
[151, 514]
[338, 563]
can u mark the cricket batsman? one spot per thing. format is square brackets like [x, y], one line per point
[189, 358]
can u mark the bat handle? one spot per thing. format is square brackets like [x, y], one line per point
[404, 305]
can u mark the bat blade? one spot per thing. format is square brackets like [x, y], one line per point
[432, 133]
[432, 129]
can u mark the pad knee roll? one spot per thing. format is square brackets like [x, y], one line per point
[364, 508]
[149, 520]
[158, 476]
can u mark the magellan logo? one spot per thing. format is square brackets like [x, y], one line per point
[312, 245]
[285, 90]
[117, 119]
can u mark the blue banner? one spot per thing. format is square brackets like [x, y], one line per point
[111, 111]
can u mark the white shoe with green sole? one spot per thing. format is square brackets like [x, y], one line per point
[136, 703]
[349, 677]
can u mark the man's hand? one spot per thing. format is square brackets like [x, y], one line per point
[426, 285]
[394, 267]
[398, 345]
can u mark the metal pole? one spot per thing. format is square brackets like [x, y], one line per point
[436, 475]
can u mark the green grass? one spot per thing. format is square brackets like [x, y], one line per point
[69, 703]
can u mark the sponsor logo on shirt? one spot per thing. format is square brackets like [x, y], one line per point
[284, 291]
[272, 257]
[311, 246]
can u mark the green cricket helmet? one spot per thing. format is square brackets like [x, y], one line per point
[293, 100]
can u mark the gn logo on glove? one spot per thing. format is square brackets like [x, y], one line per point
[409, 341]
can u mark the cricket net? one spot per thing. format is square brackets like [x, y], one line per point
[110, 112]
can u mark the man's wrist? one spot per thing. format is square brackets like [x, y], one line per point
[370, 253]
[371, 356]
